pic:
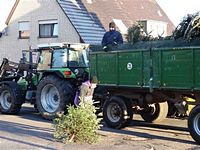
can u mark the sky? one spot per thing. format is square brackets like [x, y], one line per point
[175, 9]
[5, 7]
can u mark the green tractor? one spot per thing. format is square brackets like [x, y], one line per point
[47, 77]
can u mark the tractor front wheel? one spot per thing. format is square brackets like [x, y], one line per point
[53, 96]
[10, 98]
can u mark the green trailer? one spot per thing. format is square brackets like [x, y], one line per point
[148, 81]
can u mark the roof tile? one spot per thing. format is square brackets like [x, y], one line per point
[128, 11]
[88, 27]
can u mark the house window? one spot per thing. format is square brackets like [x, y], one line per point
[24, 29]
[48, 29]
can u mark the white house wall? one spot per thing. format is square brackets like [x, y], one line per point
[35, 11]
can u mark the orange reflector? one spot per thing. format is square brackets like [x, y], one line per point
[67, 73]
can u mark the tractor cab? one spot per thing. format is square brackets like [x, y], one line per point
[65, 59]
[63, 55]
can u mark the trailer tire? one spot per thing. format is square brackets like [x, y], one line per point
[194, 123]
[53, 96]
[99, 96]
[116, 113]
[156, 112]
[11, 98]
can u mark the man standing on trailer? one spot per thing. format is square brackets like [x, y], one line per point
[112, 37]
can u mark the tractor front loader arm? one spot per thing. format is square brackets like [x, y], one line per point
[11, 70]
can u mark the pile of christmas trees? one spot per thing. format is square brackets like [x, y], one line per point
[189, 28]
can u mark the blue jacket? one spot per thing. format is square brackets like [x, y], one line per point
[112, 37]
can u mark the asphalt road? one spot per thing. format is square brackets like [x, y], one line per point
[28, 131]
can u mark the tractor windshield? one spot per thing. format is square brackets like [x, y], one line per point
[59, 58]
[73, 58]
[78, 58]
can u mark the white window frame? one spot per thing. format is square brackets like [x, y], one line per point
[24, 26]
[50, 27]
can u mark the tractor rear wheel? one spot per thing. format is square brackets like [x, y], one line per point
[10, 98]
[53, 96]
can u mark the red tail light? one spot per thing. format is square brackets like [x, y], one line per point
[67, 73]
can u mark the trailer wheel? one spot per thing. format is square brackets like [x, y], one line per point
[53, 96]
[10, 98]
[99, 97]
[155, 112]
[117, 113]
[194, 123]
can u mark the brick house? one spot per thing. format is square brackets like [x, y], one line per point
[33, 22]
